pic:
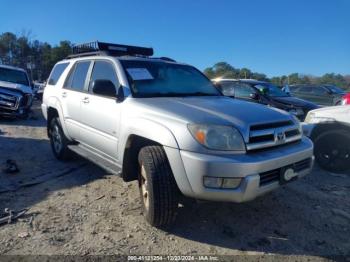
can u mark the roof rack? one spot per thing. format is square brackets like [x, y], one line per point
[102, 48]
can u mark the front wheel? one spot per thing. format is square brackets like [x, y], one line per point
[158, 189]
[59, 142]
[332, 151]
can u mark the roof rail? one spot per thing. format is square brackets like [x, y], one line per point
[102, 48]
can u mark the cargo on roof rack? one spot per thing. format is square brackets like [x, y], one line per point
[102, 48]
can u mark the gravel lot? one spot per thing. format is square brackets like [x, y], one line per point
[77, 208]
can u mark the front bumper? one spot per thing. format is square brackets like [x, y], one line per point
[307, 128]
[21, 112]
[246, 166]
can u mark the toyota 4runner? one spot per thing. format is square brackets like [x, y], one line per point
[166, 125]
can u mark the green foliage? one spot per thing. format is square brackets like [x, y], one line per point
[225, 70]
[21, 51]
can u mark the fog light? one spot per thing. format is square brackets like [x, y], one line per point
[212, 182]
[231, 182]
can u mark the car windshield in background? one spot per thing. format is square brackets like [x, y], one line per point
[335, 89]
[270, 90]
[154, 79]
[13, 76]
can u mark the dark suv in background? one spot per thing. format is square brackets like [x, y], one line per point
[264, 93]
[324, 95]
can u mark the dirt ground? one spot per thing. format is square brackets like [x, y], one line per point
[75, 208]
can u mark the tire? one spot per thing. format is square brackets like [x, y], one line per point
[59, 142]
[158, 190]
[332, 151]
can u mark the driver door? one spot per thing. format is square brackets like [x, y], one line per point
[101, 114]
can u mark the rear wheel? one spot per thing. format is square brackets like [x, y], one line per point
[332, 151]
[59, 142]
[158, 189]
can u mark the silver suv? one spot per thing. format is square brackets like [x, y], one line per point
[166, 125]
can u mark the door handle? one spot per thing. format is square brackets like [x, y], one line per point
[85, 100]
[64, 94]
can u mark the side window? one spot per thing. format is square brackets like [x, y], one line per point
[77, 77]
[236, 89]
[227, 88]
[244, 90]
[319, 90]
[103, 71]
[305, 89]
[56, 73]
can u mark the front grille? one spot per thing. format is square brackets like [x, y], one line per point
[8, 101]
[272, 134]
[274, 175]
[270, 125]
[269, 176]
[302, 165]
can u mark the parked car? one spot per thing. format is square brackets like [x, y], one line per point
[329, 128]
[38, 90]
[264, 93]
[166, 125]
[346, 99]
[324, 95]
[15, 92]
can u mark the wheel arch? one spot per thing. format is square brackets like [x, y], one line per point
[328, 127]
[54, 109]
[141, 133]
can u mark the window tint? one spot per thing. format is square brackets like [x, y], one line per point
[158, 78]
[305, 89]
[319, 90]
[79, 76]
[237, 89]
[56, 73]
[104, 70]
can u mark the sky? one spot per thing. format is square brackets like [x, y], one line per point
[274, 37]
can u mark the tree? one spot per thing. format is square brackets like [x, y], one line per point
[21, 51]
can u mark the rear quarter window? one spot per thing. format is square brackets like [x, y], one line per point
[56, 73]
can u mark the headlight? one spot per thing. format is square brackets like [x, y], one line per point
[296, 111]
[217, 137]
[311, 118]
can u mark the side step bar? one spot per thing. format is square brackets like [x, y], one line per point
[105, 164]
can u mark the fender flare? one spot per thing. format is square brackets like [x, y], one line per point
[54, 103]
[147, 129]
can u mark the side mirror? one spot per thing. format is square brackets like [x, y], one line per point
[120, 94]
[104, 88]
[254, 96]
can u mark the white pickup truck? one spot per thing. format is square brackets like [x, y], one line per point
[329, 128]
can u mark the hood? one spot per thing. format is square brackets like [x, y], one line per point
[212, 110]
[295, 102]
[19, 87]
[338, 113]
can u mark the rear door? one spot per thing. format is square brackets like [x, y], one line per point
[303, 92]
[101, 114]
[72, 93]
[321, 96]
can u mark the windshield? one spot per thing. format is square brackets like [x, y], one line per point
[270, 90]
[13, 76]
[153, 78]
[336, 89]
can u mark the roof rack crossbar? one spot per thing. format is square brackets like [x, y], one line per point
[99, 48]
